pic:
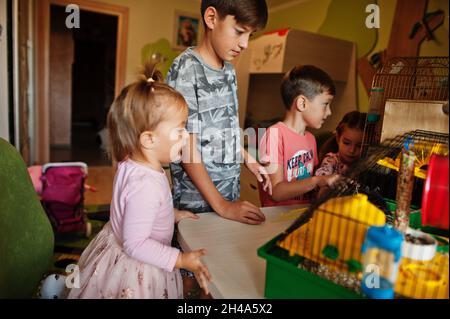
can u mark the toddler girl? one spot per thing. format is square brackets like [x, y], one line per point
[132, 256]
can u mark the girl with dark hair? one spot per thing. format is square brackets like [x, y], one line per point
[343, 149]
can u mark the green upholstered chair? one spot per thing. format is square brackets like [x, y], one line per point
[26, 236]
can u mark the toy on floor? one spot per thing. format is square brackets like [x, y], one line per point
[62, 196]
[53, 287]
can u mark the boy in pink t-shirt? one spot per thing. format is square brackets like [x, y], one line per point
[287, 149]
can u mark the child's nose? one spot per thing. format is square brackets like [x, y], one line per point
[328, 111]
[243, 42]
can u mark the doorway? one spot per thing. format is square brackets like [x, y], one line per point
[78, 73]
[82, 83]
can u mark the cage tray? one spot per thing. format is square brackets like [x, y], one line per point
[285, 280]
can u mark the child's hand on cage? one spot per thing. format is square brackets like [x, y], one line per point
[328, 180]
[191, 261]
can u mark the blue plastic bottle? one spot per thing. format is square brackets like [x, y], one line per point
[375, 104]
[381, 255]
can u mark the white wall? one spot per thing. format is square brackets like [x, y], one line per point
[149, 21]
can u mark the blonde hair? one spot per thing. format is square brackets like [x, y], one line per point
[140, 107]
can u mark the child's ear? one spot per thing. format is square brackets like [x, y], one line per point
[147, 139]
[210, 17]
[300, 102]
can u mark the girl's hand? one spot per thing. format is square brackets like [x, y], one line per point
[328, 181]
[332, 180]
[182, 214]
[191, 261]
[261, 175]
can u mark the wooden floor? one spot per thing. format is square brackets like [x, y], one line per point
[102, 178]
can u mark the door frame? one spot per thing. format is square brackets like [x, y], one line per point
[4, 96]
[42, 118]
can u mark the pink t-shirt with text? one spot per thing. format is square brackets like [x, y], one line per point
[297, 153]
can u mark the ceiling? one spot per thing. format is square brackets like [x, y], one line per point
[272, 4]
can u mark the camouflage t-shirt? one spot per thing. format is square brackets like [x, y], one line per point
[211, 95]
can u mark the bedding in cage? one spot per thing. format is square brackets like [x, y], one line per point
[379, 169]
[320, 255]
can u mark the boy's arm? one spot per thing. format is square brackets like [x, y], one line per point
[242, 211]
[258, 170]
[284, 190]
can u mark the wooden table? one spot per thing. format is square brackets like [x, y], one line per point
[231, 256]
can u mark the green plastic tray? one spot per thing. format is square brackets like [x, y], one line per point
[285, 280]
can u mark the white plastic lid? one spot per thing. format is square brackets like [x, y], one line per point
[422, 252]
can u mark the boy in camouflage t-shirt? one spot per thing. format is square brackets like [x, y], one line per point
[208, 177]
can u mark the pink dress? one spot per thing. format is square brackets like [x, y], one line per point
[132, 256]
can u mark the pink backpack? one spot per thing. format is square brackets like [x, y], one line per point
[62, 195]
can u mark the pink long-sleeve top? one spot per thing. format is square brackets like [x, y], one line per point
[142, 216]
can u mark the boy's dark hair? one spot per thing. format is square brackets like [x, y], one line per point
[251, 13]
[306, 80]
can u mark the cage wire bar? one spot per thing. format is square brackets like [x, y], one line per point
[408, 78]
[308, 236]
